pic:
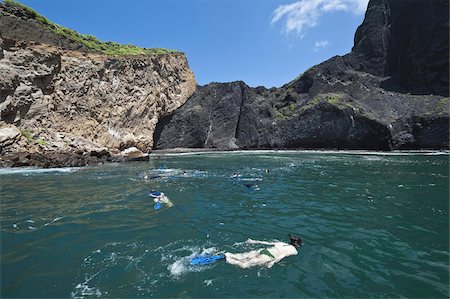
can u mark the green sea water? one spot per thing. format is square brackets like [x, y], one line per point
[373, 225]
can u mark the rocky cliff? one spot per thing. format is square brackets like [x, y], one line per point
[408, 42]
[69, 99]
[390, 92]
[72, 106]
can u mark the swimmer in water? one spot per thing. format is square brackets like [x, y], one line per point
[236, 175]
[160, 197]
[265, 256]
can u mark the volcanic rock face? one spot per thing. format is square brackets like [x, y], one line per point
[73, 108]
[390, 92]
[408, 41]
[351, 112]
[233, 115]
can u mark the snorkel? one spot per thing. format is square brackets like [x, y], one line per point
[295, 241]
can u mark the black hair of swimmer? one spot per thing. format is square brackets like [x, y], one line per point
[295, 241]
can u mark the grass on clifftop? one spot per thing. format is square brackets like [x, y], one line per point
[90, 41]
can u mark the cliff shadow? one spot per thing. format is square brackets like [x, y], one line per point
[394, 84]
[162, 122]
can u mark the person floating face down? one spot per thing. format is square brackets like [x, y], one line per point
[265, 256]
[160, 197]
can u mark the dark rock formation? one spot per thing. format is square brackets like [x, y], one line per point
[408, 41]
[217, 109]
[390, 92]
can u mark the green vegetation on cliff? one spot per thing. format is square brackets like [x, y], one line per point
[90, 41]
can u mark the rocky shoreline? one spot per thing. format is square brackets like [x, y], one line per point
[69, 159]
[77, 158]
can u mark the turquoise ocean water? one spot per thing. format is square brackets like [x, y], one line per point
[373, 225]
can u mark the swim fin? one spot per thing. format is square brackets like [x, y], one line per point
[206, 259]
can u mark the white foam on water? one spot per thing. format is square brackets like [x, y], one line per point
[83, 289]
[161, 173]
[112, 257]
[347, 152]
[196, 173]
[169, 255]
[208, 282]
[182, 265]
[179, 267]
[53, 221]
[251, 179]
[29, 170]
[167, 170]
[373, 158]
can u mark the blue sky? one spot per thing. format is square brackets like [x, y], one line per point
[262, 42]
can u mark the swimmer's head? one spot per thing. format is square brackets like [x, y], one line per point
[295, 241]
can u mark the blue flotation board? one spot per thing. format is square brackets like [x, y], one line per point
[206, 259]
[157, 206]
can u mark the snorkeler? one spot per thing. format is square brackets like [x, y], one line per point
[261, 257]
[266, 256]
[160, 198]
[252, 185]
[236, 175]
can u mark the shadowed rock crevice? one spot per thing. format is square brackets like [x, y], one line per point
[243, 98]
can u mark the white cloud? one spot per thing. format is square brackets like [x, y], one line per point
[320, 44]
[304, 14]
[334, 5]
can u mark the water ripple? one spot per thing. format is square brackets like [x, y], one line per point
[93, 232]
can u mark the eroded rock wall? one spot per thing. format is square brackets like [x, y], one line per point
[85, 104]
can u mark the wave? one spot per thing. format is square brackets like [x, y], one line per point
[347, 152]
[182, 264]
[35, 170]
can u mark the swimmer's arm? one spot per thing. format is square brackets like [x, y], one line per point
[250, 241]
